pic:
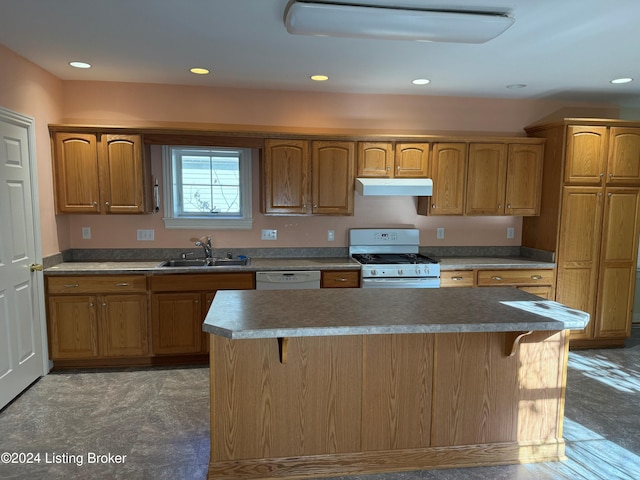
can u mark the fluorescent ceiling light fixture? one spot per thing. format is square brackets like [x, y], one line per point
[80, 64]
[199, 71]
[421, 81]
[622, 80]
[319, 78]
[359, 21]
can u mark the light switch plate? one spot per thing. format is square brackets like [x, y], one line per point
[146, 235]
[86, 233]
[510, 232]
[440, 233]
[269, 234]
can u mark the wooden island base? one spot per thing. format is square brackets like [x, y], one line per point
[357, 404]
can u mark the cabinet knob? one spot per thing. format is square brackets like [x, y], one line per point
[496, 278]
[196, 301]
[601, 175]
[90, 305]
[509, 205]
[611, 176]
[536, 277]
[609, 194]
[456, 279]
[95, 204]
[122, 284]
[499, 205]
[106, 204]
[71, 285]
[104, 304]
[433, 206]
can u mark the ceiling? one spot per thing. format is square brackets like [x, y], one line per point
[565, 50]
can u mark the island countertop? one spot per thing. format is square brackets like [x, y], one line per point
[249, 314]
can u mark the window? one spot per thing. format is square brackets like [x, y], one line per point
[207, 187]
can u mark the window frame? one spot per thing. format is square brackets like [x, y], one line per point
[174, 220]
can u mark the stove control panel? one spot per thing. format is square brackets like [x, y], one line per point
[386, 271]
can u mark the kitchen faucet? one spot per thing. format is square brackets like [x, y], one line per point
[205, 243]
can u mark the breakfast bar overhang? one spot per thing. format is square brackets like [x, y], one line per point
[332, 382]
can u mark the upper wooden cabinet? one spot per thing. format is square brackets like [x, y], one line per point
[100, 173]
[486, 176]
[504, 179]
[598, 155]
[448, 171]
[301, 177]
[285, 177]
[381, 159]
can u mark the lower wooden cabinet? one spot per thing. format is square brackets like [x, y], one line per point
[95, 323]
[179, 305]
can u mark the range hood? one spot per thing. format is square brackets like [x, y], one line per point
[416, 187]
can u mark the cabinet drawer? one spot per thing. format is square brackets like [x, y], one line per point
[340, 279]
[457, 278]
[203, 282]
[487, 278]
[97, 284]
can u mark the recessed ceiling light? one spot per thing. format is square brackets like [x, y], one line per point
[199, 71]
[319, 78]
[517, 85]
[420, 81]
[80, 64]
[622, 80]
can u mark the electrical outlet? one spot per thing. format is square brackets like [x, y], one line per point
[331, 235]
[440, 233]
[510, 232]
[146, 235]
[269, 234]
[86, 233]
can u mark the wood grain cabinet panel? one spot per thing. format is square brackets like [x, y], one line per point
[448, 172]
[411, 160]
[624, 156]
[389, 160]
[486, 177]
[339, 279]
[285, 177]
[457, 278]
[301, 177]
[375, 159]
[332, 173]
[586, 155]
[524, 179]
[72, 327]
[100, 173]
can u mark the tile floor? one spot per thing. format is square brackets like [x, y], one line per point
[159, 420]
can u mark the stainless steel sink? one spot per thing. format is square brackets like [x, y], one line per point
[219, 262]
[206, 262]
[191, 262]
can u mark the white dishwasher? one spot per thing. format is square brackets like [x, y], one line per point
[288, 280]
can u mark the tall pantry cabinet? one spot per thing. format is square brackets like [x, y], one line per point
[590, 218]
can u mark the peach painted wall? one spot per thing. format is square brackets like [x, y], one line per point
[135, 104]
[28, 89]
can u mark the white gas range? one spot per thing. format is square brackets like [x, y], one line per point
[390, 258]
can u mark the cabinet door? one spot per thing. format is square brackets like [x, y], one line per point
[618, 263]
[375, 159]
[332, 173]
[76, 173]
[448, 170]
[578, 253]
[73, 327]
[624, 156]
[586, 155]
[412, 160]
[286, 177]
[176, 323]
[122, 180]
[123, 325]
[486, 177]
[524, 179]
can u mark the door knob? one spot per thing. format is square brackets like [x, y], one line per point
[36, 267]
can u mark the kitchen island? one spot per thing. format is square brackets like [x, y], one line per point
[317, 383]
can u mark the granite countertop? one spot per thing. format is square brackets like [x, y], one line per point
[262, 264]
[156, 267]
[244, 314]
[470, 263]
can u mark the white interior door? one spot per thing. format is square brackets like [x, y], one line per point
[22, 332]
